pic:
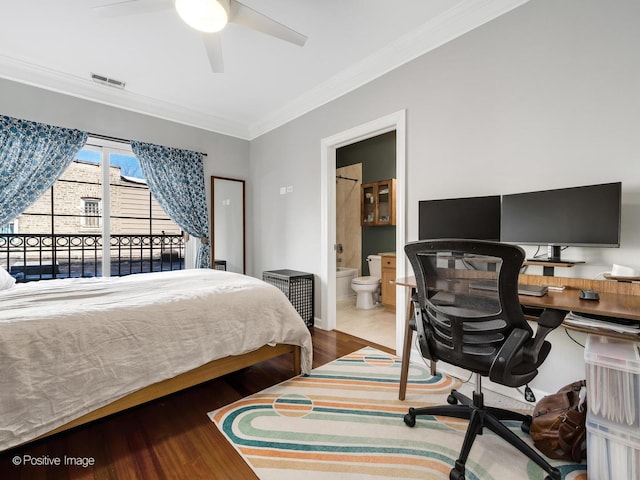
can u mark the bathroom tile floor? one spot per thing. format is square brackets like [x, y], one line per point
[376, 325]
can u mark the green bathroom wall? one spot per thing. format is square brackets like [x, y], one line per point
[378, 158]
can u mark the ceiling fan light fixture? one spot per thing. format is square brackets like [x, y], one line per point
[204, 15]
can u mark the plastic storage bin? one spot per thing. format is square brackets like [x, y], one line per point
[613, 451]
[613, 381]
[298, 287]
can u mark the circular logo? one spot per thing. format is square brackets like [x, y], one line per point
[293, 405]
[16, 460]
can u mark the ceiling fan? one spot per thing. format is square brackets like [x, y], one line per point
[209, 17]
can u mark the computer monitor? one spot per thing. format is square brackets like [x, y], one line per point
[585, 216]
[470, 217]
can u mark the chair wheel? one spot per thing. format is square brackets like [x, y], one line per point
[456, 475]
[525, 426]
[451, 400]
[410, 418]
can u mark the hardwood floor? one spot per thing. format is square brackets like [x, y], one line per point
[170, 438]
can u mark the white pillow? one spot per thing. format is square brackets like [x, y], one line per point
[6, 280]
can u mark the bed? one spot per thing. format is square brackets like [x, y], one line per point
[75, 350]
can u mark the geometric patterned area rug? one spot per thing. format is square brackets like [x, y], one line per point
[344, 421]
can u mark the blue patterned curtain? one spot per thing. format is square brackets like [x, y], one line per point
[176, 179]
[32, 157]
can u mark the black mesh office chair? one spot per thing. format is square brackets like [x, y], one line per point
[468, 314]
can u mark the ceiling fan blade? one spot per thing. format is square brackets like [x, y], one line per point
[213, 46]
[130, 7]
[243, 15]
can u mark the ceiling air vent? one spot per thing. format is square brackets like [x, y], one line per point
[111, 82]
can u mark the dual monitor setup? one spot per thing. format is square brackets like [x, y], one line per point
[584, 216]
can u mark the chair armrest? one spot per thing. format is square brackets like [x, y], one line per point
[551, 318]
[516, 362]
[511, 355]
[548, 321]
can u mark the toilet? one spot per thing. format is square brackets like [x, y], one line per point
[367, 288]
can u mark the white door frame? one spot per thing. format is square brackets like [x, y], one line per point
[395, 121]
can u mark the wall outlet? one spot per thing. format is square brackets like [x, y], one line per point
[289, 188]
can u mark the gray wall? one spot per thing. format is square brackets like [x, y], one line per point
[543, 97]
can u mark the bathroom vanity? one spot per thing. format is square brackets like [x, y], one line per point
[388, 278]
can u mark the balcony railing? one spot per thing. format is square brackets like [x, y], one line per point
[31, 257]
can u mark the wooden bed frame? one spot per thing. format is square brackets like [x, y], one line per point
[206, 372]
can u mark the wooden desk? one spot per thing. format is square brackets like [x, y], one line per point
[611, 305]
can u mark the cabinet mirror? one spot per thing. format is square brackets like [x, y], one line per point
[228, 228]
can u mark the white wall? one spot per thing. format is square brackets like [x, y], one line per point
[226, 156]
[545, 96]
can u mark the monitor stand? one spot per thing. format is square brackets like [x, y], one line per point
[553, 260]
[553, 253]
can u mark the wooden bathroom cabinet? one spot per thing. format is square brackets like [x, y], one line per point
[378, 203]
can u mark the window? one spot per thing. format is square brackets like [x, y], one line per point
[91, 213]
[98, 219]
[8, 228]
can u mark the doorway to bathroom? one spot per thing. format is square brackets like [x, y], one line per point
[366, 161]
[328, 246]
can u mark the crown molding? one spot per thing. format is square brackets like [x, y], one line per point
[463, 17]
[59, 82]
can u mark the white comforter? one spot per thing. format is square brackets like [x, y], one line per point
[70, 346]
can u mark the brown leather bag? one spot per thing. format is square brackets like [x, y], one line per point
[558, 423]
